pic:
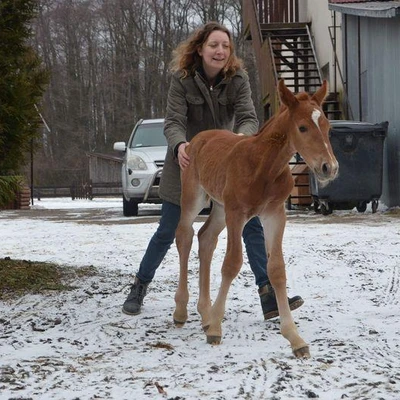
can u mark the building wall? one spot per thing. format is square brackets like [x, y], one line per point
[372, 54]
[104, 170]
[321, 19]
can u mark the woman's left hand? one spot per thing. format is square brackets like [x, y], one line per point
[183, 158]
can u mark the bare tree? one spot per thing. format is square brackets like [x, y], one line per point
[109, 64]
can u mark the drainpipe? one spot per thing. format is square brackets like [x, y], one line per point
[346, 56]
[359, 68]
[334, 50]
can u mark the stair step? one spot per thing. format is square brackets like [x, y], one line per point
[298, 70]
[279, 53]
[336, 112]
[302, 84]
[296, 39]
[287, 36]
[305, 60]
[294, 49]
[299, 62]
[293, 66]
[294, 53]
[297, 43]
[298, 78]
[294, 42]
[333, 116]
[297, 74]
[284, 25]
[283, 32]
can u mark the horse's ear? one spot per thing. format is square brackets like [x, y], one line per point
[286, 96]
[321, 93]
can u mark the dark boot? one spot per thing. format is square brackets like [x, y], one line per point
[269, 305]
[134, 301]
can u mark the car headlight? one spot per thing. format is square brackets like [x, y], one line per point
[136, 163]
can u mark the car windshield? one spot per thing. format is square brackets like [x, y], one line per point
[149, 135]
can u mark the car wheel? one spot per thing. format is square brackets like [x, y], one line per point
[317, 206]
[130, 207]
[326, 209]
[361, 206]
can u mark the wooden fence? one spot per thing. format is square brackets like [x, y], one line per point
[85, 190]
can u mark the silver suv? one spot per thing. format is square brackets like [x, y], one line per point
[142, 164]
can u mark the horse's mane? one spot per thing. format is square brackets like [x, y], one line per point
[268, 122]
[301, 97]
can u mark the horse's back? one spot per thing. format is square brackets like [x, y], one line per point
[209, 153]
[213, 143]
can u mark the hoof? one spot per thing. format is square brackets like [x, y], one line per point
[213, 339]
[179, 324]
[302, 352]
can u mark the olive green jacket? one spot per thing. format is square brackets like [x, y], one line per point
[193, 107]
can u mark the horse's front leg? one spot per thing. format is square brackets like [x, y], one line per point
[230, 268]
[208, 239]
[274, 225]
[184, 239]
[193, 200]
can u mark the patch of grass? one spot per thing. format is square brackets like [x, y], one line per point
[19, 277]
[9, 186]
[162, 345]
[394, 212]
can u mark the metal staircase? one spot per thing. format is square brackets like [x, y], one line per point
[284, 48]
[294, 60]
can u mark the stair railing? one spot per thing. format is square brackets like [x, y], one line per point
[315, 54]
[274, 100]
[263, 55]
[270, 11]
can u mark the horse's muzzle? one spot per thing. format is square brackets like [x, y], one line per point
[326, 172]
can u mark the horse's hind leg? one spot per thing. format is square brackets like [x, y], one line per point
[230, 268]
[192, 202]
[208, 239]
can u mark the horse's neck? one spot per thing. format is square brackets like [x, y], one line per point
[274, 148]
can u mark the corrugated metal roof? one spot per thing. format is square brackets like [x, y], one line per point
[358, 1]
[352, 1]
[374, 9]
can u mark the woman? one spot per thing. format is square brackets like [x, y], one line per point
[209, 90]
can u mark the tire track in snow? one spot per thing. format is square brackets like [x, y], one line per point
[392, 289]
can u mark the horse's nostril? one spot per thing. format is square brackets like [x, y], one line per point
[325, 169]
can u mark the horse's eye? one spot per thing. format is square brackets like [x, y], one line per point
[302, 129]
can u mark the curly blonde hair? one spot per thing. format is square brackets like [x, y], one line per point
[187, 59]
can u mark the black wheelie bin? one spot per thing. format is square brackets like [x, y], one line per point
[358, 147]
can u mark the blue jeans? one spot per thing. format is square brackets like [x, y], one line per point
[253, 237]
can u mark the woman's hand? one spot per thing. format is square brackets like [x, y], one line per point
[183, 158]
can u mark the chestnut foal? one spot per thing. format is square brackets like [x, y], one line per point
[247, 176]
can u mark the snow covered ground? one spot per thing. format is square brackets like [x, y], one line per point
[79, 345]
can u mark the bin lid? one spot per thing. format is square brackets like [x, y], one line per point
[347, 126]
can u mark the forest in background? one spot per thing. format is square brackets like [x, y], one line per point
[109, 66]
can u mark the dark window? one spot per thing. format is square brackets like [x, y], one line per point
[149, 135]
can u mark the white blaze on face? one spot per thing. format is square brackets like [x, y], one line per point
[315, 117]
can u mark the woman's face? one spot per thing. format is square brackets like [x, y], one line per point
[215, 53]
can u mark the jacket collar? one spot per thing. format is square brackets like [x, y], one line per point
[219, 79]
